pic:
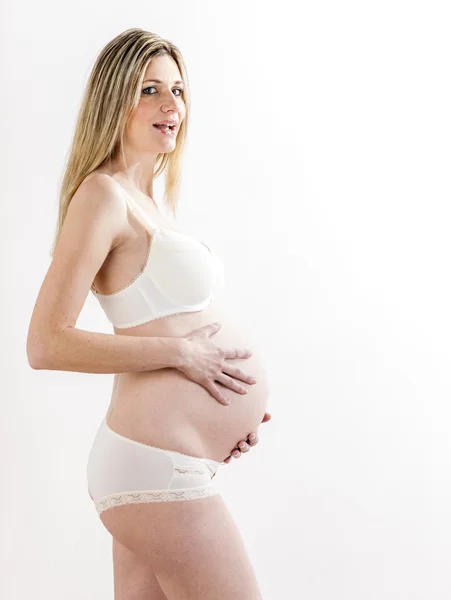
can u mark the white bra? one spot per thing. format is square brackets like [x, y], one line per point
[181, 274]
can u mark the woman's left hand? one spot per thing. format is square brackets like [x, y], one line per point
[245, 445]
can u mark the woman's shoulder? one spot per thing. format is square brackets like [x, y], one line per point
[99, 191]
[102, 183]
[98, 175]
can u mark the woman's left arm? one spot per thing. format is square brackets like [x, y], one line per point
[245, 445]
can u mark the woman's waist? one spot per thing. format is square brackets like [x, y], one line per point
[165, 406]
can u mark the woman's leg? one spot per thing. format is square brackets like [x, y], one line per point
[162, 506]
[133, 578]
[193, 547]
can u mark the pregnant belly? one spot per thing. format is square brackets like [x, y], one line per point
[165, 408]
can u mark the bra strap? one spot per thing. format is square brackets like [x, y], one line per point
[141, 215]
[146, 221]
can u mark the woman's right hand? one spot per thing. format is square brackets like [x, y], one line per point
[204, 363]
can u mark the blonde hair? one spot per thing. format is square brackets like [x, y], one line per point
[110, 97]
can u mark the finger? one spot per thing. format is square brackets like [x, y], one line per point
[236, 453]
[231, 383]
[238, 353]
[244, 447]
[215, 392]
[253, 438]
[212, 328]
[237, 373]
[266, 418]
[227, 460]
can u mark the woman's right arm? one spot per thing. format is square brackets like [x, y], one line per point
[73, 349]
[94, 225]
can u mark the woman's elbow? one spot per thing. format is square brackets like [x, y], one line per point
[37, 352]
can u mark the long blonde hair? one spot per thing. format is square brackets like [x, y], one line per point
[110, 96]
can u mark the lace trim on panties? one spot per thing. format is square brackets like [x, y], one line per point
[155, 496]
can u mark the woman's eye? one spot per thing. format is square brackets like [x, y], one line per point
[152, 87]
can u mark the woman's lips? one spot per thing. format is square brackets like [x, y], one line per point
[166, 130]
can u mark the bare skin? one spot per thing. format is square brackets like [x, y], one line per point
[163, 422]
[188, 550]
[181, 415]
[133, 577]
[166, 409]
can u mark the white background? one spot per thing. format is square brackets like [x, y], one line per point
[318, 166]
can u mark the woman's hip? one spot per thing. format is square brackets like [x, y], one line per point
[121, 470]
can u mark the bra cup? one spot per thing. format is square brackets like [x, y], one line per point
[181, 274]
[181, 268]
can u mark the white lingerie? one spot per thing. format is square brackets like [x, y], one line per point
[123, 471]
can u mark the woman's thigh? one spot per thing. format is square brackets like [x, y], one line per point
[133, 577]
[193, 547]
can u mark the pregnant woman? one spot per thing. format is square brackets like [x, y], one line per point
[189, 387]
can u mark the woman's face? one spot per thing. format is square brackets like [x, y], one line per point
[159, 100]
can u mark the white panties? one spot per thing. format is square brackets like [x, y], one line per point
[123, 471]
